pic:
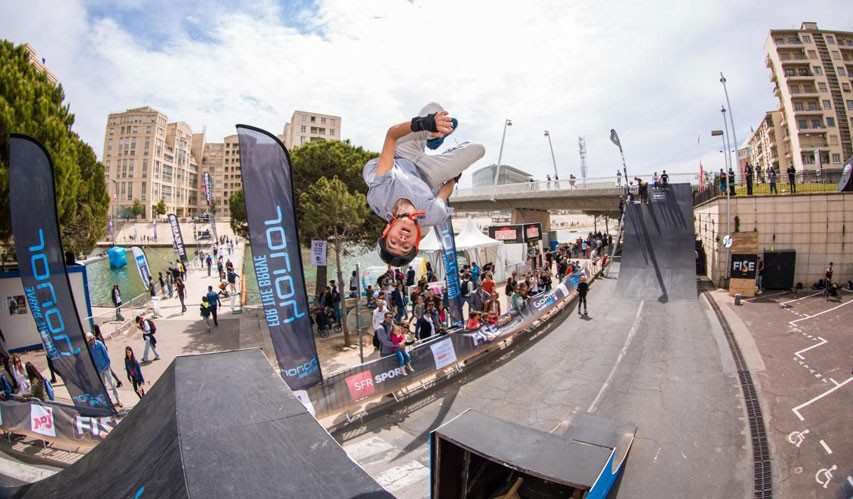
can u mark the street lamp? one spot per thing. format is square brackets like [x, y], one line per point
[720, 133]
[731, 115]
[553, 159]
[507, 122]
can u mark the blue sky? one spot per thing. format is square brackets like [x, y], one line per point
[648, 69]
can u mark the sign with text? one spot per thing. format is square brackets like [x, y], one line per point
[271, 216]
[744, 266]
[532, 232]
[141, 265]
[318, 253]
[443, 353]
[509, 234]
[41, 420]
[177, 238]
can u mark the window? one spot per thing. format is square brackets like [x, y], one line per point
[836, 54]
[802, 124]
[798, 106]
[833, 140]
[303, 128]
[143, 191]
[842, 71]
[827, 104]
[812, 54]
[817, 123]
[818, 70]
[313, 119]
[322, 121]
[845, 86]
[806, 38]
[830, 121]
[821, 86]
[129, 191]
[830, 39]
[850, 105]
[331, 131]
[836, 158]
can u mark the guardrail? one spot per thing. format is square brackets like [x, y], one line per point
[566, 186]
[805, 182]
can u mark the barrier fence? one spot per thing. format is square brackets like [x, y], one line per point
[54, 422]
[349, 387]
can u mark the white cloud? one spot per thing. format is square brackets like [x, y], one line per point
[650, 71]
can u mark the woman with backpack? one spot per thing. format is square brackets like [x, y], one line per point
[148, 329]
[96, 330]
[134, 372]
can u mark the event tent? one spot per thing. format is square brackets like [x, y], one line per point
[472, 245]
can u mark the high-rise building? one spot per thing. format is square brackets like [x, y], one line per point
[766, 147]
[309, 127]
[148, 159]
[811, 70]
[222, 162]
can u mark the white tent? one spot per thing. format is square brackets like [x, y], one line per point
[472, 245]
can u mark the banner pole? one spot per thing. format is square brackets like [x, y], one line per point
[357, 319]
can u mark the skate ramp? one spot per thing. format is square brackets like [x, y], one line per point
[659, 252]
[214, 425]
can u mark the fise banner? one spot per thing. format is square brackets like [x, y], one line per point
[271, 215]
[177, 238]
[451, 270]
[32, 203]
[141, 265]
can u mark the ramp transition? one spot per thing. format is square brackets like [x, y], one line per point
[658, 255]
[214, 425]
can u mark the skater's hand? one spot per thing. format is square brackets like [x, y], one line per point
[443, 124]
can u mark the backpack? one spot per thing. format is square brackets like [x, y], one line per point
[151, 326]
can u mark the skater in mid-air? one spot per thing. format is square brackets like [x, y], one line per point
[408, 187]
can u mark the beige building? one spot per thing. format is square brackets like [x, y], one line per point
[149, 159]
[811, 70]
[39, 62]
[222, 161]
[765, 147]
[309, 127]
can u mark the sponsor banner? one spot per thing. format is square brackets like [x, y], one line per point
[271, 216]
[141, 265]
[384, 375]
[54, 422]
[509, 234]
[41, 420]
[744, 266]
[208, 188]
[32, 203]
[532, 232]
[177, 238]
[443, 353]
[451, 271]
[318, 253]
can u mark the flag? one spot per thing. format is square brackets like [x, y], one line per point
[614, 137]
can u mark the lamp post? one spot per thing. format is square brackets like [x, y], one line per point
[115, 207]
[731, 115]
[553, 159]
[507, 122]
[614, 137]
[720, 133]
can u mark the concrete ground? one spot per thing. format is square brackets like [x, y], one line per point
[664, 367]
[806, 387]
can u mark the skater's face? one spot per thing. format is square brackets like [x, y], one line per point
[402, 236]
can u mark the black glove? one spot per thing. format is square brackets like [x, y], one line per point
[421, 123]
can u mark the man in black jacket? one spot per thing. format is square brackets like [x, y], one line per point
[583, 289]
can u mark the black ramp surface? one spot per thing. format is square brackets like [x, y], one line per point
[658, 255]
[215, 425]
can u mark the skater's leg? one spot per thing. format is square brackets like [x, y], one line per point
[438, 169]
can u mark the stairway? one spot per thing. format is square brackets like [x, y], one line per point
[843, 122]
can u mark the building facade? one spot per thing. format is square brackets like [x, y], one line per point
[508, 175]
[148, 159]
[39, 63]
[811, 71]
[765, 147]
[307, 126]
[222, 162]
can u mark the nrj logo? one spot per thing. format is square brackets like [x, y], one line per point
[41, 420]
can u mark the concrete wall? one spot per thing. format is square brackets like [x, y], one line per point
[819, 227]
[20, 329]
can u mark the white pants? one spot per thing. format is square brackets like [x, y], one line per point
[147, 346]
[107, 379]
[437, 169]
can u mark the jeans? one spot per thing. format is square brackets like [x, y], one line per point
[403, 356]
[148, 345]
[107, 379]
[401, 314]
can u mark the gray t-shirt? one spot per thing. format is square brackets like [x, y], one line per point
[403, 182]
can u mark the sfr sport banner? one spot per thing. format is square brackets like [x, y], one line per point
[35, 225]
[271, 215]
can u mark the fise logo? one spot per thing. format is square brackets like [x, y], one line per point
[96, 427]
[41, 420]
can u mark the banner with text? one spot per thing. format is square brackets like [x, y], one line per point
[141, 265]
[177, 238]
[451, 270]
[271, 216]
[32, 203]
[208, 189]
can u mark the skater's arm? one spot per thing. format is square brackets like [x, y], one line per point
[436, 123]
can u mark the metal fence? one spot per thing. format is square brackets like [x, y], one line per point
[804, 182]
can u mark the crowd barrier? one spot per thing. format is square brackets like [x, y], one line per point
[353, 386]
[54, 422]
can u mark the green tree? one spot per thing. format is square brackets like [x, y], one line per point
[137, 209]
[333, 212]
[160, 208]
[32, 105]
[237, 205]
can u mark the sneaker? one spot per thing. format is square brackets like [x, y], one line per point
[157, 358]
[409, 366]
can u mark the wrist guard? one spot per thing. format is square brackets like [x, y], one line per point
[424, 123]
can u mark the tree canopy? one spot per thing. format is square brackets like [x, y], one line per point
[237, 205]
[331, 211]
[30, 104]
[160, 207]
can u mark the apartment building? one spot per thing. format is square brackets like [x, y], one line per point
[148, 159]
[39, 63]
[765, 145]
[307, 126]
[811, 71]
[222, 162]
